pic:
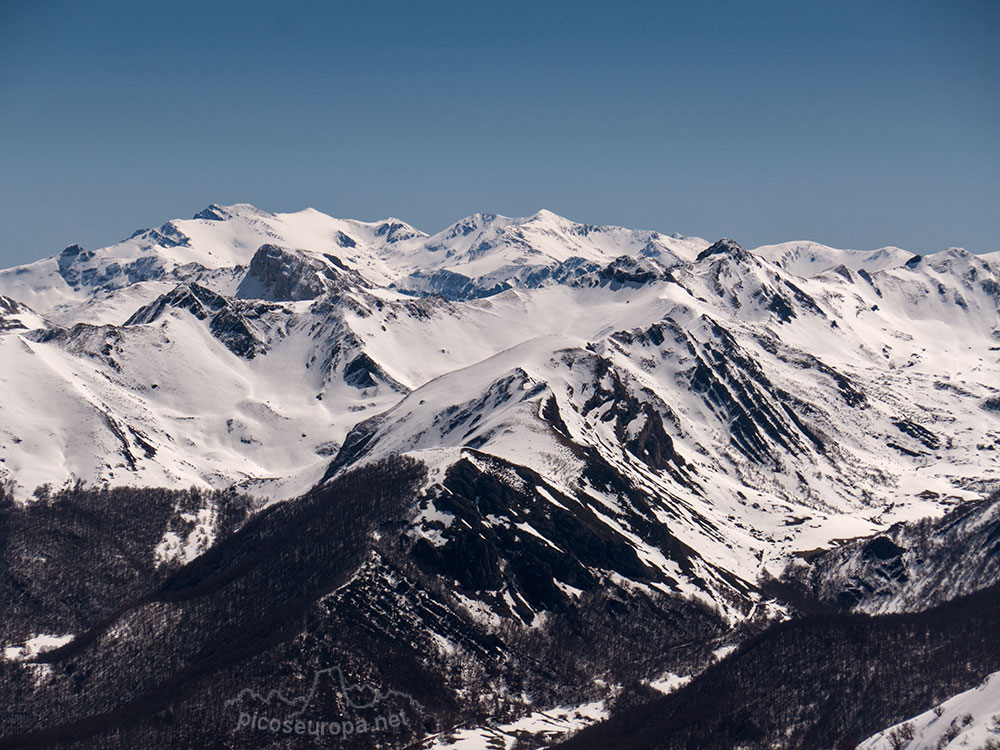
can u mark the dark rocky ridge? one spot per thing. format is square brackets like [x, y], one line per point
[277, 274]
[229, 320]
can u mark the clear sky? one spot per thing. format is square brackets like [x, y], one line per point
[856, 124]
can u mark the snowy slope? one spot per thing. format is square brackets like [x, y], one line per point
[967, 720]
[810, 258]
[549, 726]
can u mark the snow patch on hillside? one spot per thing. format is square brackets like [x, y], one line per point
[967, 720]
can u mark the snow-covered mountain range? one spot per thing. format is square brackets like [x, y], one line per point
[781, 398]
[597, 408]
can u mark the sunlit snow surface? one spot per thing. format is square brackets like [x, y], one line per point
[545, 726]
[34, 646]
[967, 720]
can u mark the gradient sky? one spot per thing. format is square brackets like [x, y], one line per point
[856, 124]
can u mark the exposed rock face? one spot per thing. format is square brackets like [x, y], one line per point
[448, 284]
[395, 231]
[198, 300]
[278, 274]
[82, 268]
[228, 319]
[627, 271]
[212, 213]
[9, 310]
[725, 246]
[363, 372]
[912, 566]
[637, 425]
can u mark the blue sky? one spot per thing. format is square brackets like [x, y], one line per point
[856, 124]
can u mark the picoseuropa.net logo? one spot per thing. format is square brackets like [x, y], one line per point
[343, 728]
[276, 713]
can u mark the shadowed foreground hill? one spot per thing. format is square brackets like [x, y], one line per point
[158, 669]
[328, 599]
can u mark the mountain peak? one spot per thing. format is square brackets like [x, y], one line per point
[216, 212]
[395, 230]
[73, 250]
[213, 212]
[545, 215]
[953, 259]
[725, 246]
[955, 252]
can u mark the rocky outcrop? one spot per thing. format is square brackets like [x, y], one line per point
[282, 275]
[228, 320]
